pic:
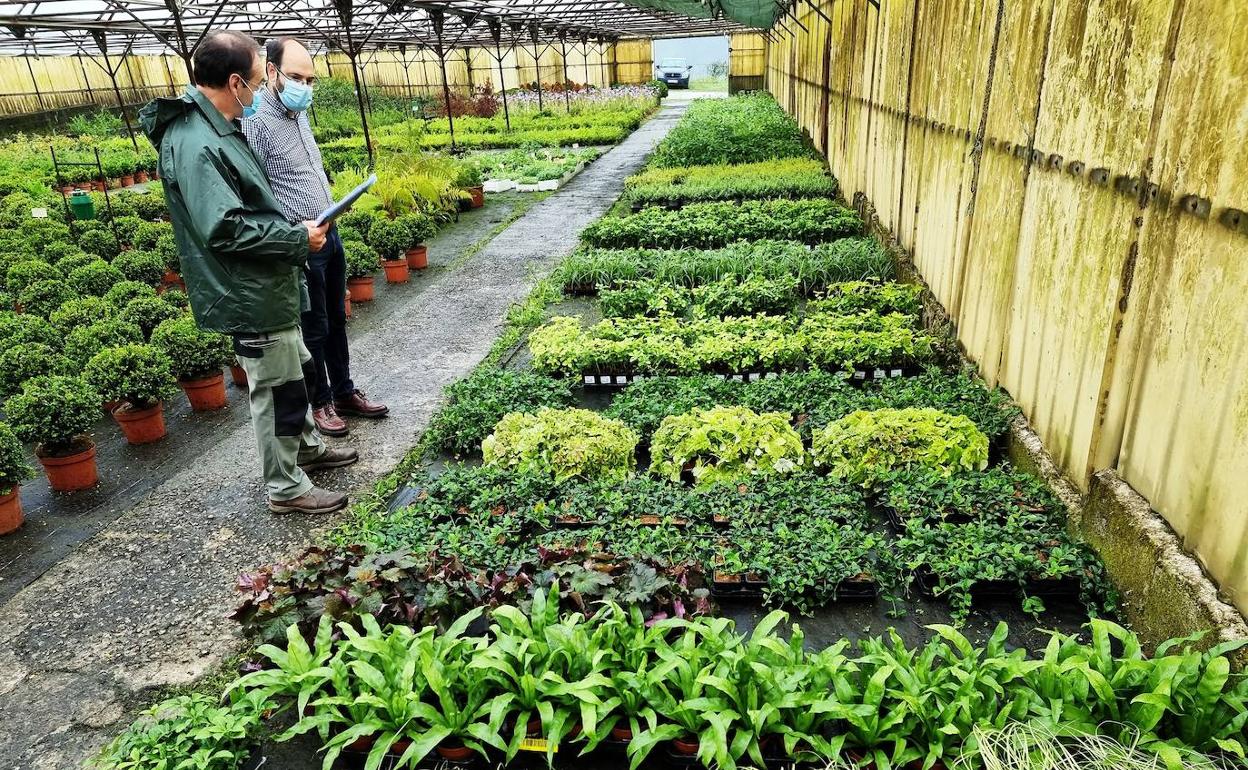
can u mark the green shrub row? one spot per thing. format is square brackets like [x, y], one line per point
[754, 295]
[711, 225]
[743, 129]
[792, 178]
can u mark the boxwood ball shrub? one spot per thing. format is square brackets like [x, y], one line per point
[147, 313]
[142, 266]
[562, 443]
[54, 411]
[126, 226]
[72, 262]
[177, 298]
[140, 375]
[148, 234]
[81, 311]
[19, 363]
[362, 261]
[476, 403]
[167, 249]
[358, 222]
[420, 227]
[390, 239]
[710, 225]
[42, 298]
[195, 353]
[26, 272]
[725, 443]
[865, 446]
[100, 242]
[17, 328]
[122, 292]
[13, 466]
[150, 205]
[82, 343]
[95, 279]
[57, 252]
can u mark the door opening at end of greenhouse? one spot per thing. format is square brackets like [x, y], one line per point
[696, 63]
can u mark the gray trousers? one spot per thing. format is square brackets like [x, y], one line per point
[281, 414]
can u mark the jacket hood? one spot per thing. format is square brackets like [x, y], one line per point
[155, 118]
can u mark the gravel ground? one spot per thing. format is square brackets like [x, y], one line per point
[111, 597]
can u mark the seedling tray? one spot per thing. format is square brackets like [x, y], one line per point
[927, 582]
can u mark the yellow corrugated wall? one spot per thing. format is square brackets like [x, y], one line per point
[634, 61]
[1118, 321]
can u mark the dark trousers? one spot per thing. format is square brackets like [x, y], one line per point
[325, 323]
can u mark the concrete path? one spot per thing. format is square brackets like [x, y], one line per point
[140, 605]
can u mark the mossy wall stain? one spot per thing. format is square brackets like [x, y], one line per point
[1118, 323]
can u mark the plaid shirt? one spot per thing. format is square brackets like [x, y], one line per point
[290, 157]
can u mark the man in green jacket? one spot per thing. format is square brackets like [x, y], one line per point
[242, 260]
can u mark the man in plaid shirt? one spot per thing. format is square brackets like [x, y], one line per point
[281, 137]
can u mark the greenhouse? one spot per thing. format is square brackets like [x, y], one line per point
[642, 384]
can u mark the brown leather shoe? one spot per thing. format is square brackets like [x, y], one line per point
[333, 457]
[314, 501]
[328, 422]
[358, 405]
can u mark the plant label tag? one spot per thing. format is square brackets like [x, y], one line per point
[770, 376]
[753, 376]
[537, 744]
[878, 374]
[621, 379]
[638, 377]
[39, 213]
[894, 372]
[589, 379]
[737, 378]
[860, 375]
[722, 376]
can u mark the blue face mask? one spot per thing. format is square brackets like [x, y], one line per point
[295, 95]
[249, 109]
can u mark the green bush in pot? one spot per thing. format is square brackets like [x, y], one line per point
[362, 261]
[142, 266]
[95, 279]
[55, 412]
[42, 298]
[19, 363]
[195, 353]
[123, 292]
[100, 242]
[140, 375]
[13, 466]
[16, 328]
[147, 313]
[390, 238]
[81, 311]
[84, 342]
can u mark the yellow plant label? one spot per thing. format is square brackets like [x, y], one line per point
[537, 744]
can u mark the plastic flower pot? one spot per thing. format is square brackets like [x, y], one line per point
[363, 289]
[396, 270]
[239, 376]
[418, 257]
[127, 180]
[685, 746]
[622, 733]
[454, 752]
[205, 393]
[142, 177]
[141, 426]
[11, 510]
[71, 472]
[478, 196]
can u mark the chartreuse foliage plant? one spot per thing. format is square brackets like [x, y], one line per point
[788, 178]
[725, 443]
[564, 443]
[476, 403]
[847, 259]
[730, 345]
[188, 731]
[710, 225]
[700, 680]
[865, 446]
[54, 411]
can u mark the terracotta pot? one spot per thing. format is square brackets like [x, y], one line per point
[533, 729]
[622, 733]
[142, 177]
[455, 753]
[478, 196]
[363, 289]
[11, 510]
[362, 744]
[114, 184]
[346, 304]
[97, 185]
[418, 257]
[141, 426]
[239, 376]
[67, 189]
[688, 748]
[205, 393]
[173, 279]
[111, 406]
[127, 180]
[396, 270]
[70, 473]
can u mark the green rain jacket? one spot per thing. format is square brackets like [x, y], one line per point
[241, 259]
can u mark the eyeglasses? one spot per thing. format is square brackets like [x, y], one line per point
[310, 80]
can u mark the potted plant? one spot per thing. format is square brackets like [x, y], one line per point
[147, 313]
[56, 413]
[141, 377]
[361, 265]
[471, 180]
[390, 239]
[13, 471]
[197, 358]
[143, 266]
[167, 250]
[22, 361]
[420, 228]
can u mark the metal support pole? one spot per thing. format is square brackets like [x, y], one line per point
[438, 20]
[184, 48]
[502, 83]
[344, 13]
[468, 69]
[112, 76]
[86, 81]
[563, 57]
[585, 59]
[407, 74]
[125, 59]
[35, 82]
[537, 68]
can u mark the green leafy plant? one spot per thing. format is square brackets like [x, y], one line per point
[14, 469]
[785, 178]
[863, 447]
[564, 443]
[725, 443]
[83, 342]
[194, 353]
[56, 412]
[187, 731]
[19, 363]
[361, 259]
[143, 266]
[709, 225]
[95, 279]
[80, 311]
[26, 272]
[18, 328]
[147, 313]
[42, 298]
[390, 238]
[743, 129]
[140, 375]
[120, 295]
[100, 242]
[476, 403]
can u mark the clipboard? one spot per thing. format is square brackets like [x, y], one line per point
[341, 207]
